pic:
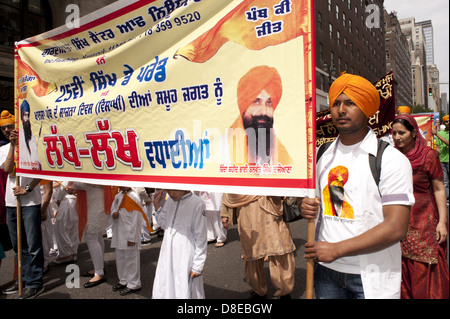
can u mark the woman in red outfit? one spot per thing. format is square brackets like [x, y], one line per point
[425, 273]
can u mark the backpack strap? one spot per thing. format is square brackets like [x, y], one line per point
[322, 150]
[375, 161]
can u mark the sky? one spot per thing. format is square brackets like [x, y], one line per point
[438, 12]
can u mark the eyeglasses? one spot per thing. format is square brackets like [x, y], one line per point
[8, 126]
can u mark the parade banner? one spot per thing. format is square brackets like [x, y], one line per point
[425, 123]
[381, 122]
[181, 94]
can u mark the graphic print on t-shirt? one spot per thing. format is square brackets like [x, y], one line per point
[334, 195]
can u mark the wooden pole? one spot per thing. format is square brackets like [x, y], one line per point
[310, 263]
[18, 208]
[19, 240]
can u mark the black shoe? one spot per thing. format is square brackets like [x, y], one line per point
[91, 284]
[31, 293]
[87, 274]
[127, 291]
[255, 296]
[118, 287]
[90, 275]
[11, 290]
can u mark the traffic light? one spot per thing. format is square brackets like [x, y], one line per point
[430, 91]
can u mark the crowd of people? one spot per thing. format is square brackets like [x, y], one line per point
[380, 213]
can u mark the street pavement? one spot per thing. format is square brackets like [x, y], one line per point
[223, 272]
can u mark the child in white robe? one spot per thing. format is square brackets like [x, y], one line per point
[126, 239]
[66, 225]
[183, 250]
[214, 228]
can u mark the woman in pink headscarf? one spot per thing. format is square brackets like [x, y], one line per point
[425, 273]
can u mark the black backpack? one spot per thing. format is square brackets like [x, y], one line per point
[374, 161]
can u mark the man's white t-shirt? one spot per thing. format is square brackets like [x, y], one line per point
[357, 206]
[30, 199]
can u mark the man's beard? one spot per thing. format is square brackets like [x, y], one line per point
[259, 130]
[27, 131]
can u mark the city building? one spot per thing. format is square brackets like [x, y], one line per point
[434, 101]
[398, 59]
[419, 75]
[22, 19]
[427, 28]
[444, 103]
[349, 37]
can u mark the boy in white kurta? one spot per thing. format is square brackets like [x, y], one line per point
[214, 228]
[126, 239]
[183, 251]
[66, 225]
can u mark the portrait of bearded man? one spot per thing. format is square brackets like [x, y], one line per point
[251, 138]
[28, 148]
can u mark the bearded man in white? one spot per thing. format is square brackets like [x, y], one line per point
[183, 251]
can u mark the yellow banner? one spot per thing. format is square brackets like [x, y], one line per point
[186, 94]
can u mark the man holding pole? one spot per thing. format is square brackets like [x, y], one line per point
[359, 225]
[24, 223]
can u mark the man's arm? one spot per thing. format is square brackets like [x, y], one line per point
[390, 231]
[443, 140]
[46, 200]
[8, 165]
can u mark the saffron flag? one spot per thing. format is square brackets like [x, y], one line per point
[425, 123]
[130, 205]
[239, 26]
[28, 79]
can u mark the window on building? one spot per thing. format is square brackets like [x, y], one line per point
[319, 20]
[329, 5]
[331, 31]
[22, 19]
[321, 51]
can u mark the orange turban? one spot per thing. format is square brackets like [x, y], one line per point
[404, 109]
[6, 118]
[254, 81]
[445, 118]
[359, 90]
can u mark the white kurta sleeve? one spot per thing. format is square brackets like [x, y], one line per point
[161, 217]
[200, 239]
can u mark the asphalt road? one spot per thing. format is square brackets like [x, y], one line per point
[223, 272]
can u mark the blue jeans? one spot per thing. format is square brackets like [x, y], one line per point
[32, 252]
[446, 176]
[331, 284]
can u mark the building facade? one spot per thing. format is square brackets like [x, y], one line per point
[349, 37]
[22, 19]
[398, 59]
[427, 28]
[419, 77]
